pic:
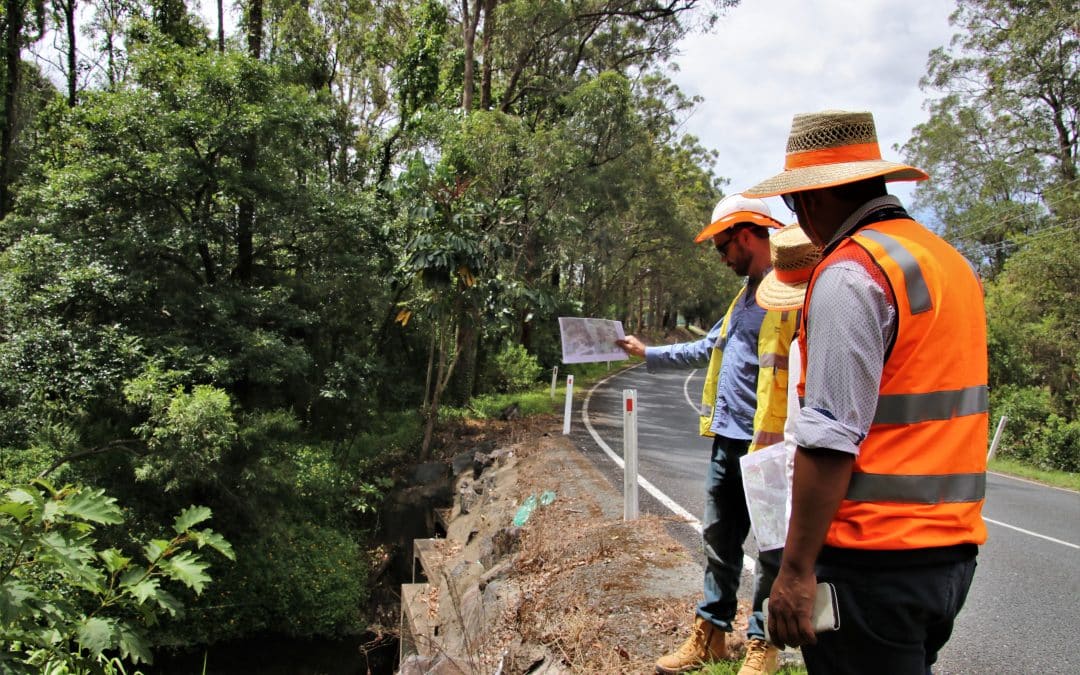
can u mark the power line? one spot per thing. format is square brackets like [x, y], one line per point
[987, 224]
[983, 250]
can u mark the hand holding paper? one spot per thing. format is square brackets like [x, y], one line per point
[590, 340]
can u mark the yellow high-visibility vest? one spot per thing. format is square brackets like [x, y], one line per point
[774, 343]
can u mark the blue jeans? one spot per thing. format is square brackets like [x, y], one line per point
[768, 565]
[723, 531]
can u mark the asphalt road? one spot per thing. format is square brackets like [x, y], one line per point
[1023, 612]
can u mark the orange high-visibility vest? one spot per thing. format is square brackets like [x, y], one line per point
[920, 477]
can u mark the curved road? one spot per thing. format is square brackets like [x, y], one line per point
[1023, 612]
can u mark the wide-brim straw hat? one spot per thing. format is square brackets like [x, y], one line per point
[830, 148]
[733, 210]
[793, 258]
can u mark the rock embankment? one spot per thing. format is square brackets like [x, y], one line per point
[574, 588]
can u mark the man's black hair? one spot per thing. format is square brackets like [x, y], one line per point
[759, 231]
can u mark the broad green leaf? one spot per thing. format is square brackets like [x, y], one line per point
[155, 549]
[190, 517]
[132, 644]
[9, 535]
[114, 560]
[145, 589]
[51, 510]
[214, 541]
[168, 602]
[74, 557]
[20, 496]
[187, 568]
[15, 598]
[45, 485]
[132, 575]
[95, 506]
[95, 635]
[18, 511]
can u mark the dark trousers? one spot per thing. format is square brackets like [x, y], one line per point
[893, 620]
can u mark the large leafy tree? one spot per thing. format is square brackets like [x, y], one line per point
[201, 272]
[1001, 145]
[1001, 142]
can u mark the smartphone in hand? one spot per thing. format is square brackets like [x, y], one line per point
[826, 614]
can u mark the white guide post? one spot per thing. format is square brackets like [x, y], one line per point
[997, 438]
[630, 454]
[569, 404]
[554, 379]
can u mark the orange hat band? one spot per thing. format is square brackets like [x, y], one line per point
[862, 152]
[793, 276]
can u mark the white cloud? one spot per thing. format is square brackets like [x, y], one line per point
[769, 59]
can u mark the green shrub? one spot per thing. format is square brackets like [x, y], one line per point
[1027, 409]
[1061, 444]
[513, 369]
[297, 580]
[1035, 433]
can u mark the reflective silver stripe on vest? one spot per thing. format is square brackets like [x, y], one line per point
[917, 292]
[773, 360]
[936, 405]
[933, 489]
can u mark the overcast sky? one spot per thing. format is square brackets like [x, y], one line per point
[769, 59]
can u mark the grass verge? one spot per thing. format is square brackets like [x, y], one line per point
[540, 400]
[1062, 479]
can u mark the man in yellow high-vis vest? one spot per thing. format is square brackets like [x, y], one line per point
[743, 408]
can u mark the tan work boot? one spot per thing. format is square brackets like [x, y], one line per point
[761, 658]
[706, 643]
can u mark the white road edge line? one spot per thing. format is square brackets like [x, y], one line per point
[1034, 534]
[748, 562]
[686, 392]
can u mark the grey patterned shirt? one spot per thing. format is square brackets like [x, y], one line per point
[849, 324]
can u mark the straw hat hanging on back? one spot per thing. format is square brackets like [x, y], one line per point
[793, 260]
[830, 148]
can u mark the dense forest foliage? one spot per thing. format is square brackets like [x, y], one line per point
[1001, 148]
[244, 263]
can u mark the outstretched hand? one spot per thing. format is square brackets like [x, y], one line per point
[631, 345]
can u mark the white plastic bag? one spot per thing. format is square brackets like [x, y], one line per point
[767, 485]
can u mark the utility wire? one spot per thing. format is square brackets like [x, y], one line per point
[984, 250]
[981, 227]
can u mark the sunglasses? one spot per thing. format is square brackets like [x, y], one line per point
[789, 200]
[723, 248]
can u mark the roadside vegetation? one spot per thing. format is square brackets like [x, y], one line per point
[257, 271]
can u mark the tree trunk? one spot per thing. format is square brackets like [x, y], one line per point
[72, 61]
[486, 53]
[469, 22]
[249, 161]
[13, 14]
[443, 373]
[255, 28]
[221, 26]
